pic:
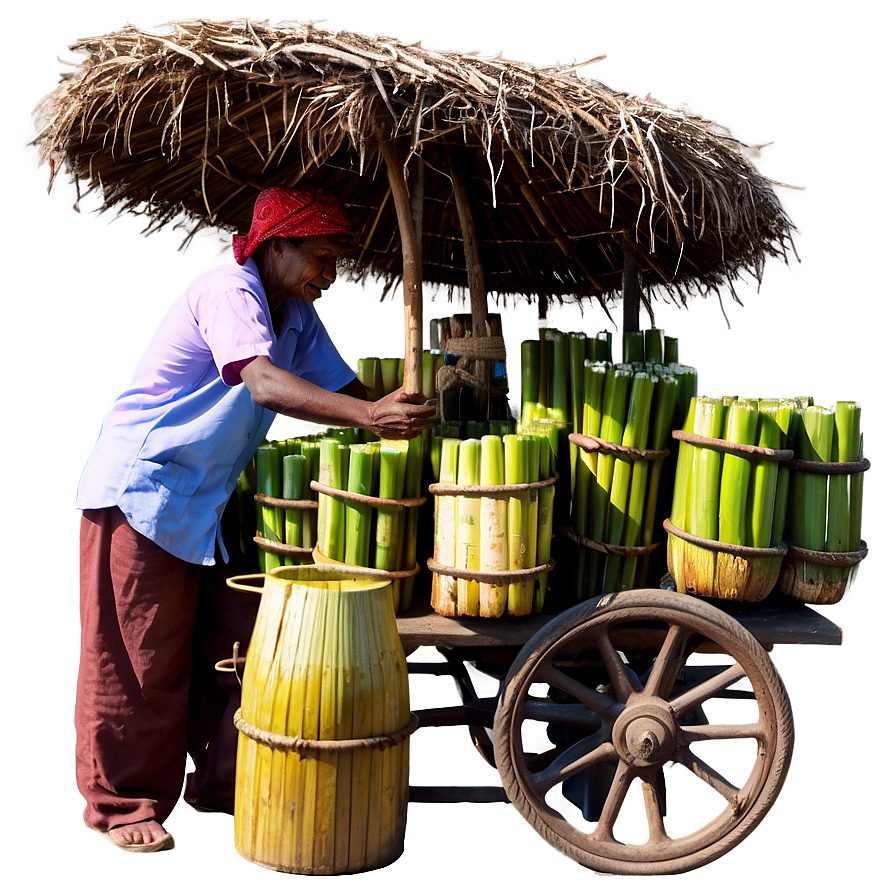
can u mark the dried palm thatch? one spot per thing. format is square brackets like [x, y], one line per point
[563, 177]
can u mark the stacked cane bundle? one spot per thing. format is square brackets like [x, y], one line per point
[824, 519]
[493, 524]
[369, 505]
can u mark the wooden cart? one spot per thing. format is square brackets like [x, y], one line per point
[646, 686]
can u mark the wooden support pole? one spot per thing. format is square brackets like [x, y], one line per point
[631, 294]
[475, 276]
[412, 271]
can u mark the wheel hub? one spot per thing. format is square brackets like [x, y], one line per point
[645, 733]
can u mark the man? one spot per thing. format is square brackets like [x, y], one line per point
[241, 344]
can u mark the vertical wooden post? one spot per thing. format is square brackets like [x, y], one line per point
[631, 294]
[475, 274]
[412, 272]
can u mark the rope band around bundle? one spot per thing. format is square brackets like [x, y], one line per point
[592, 443]
[737, 550]
[490, 577]
[838, 468]
[477, 348]
[616, 550]
[277, 547]
[305, 745]
[828, 558]
[286, 503]
[748, 452]
[480, 491]
[373, 500]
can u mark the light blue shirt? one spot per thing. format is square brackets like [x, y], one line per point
[175, 442]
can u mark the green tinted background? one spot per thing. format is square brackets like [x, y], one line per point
[812, 81]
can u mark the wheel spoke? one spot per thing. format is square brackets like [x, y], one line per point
[709, 775]
[693, 733]
[602, 704]
[702, 692]
[540, 710]
[654, 809]
[580, 756]
[613, 804]
[668, 662]
[623, 679]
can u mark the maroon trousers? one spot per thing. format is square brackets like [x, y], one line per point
[152, 627]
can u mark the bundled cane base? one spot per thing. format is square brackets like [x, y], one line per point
[819, 577]
[715, 569]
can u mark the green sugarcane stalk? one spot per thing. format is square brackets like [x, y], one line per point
[413, 476]
[814, 439]
[530, 378]
[493, 543]
[600, 347]
[845, 449]
[389, 373]
[371, 377]
[558, 385]
[577, 349]
[444, 588]
[653, 345]
[467, 551]
[670, 350]
[856, 490]
[661, 425]
[516, 469]
[633, 347]
[678, 514]
[429, 374]
[311, 452]
[359, 516]
[389, 519]
[741, 425]
[765, 479]
[545, 517]
[784, 417]
[269, 470]
[331, 511]
[704, 479]
[614, 412]
[624, 519]
[294, 469]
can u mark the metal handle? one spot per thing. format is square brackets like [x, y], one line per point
[236, 582]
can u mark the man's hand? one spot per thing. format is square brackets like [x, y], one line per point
[400, 415]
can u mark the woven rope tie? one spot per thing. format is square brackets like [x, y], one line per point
[302, 745]
[478, 348]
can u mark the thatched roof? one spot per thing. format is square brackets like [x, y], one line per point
[564, 174]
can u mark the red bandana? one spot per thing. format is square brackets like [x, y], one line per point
[291, 213]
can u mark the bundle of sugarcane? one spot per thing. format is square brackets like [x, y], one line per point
[722, 533]
[629, 412]
[286, 515]
[823, 524]
[483, 525]
[369, 496]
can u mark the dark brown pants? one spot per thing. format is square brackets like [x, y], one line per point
[152, 627]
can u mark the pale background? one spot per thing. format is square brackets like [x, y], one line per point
[84, 293]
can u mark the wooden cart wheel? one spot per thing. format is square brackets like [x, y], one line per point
[650, 728]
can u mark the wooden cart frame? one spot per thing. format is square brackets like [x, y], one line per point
[623, 686]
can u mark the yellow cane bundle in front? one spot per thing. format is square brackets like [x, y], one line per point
[325, 665]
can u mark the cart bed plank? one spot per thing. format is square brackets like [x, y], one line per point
[773, 621]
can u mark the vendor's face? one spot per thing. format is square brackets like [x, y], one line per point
[305, 271]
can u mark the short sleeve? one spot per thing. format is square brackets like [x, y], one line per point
[236, 326]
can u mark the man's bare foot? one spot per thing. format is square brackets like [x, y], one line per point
[140, 836]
